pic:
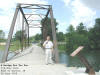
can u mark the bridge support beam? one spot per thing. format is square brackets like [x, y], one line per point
[54, 36]
[44, 28]
[25, 34]
[22, 35]
[43, 33]
[5, 55]
[25, 21]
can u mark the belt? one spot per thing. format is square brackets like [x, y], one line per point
[48, 48]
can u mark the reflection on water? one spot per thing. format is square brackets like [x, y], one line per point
[10, 55]
[92, 57]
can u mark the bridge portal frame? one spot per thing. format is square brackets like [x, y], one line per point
[20, 8]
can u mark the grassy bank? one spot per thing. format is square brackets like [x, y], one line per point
[13, 47]
[2, 47]
[62, 48]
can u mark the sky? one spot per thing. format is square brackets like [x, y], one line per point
[66, 12]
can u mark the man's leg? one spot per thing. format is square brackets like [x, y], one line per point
[50, 57]
[46, 57]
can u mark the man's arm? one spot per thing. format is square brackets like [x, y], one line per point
[52, 46]
[44, 43]
[52, 49]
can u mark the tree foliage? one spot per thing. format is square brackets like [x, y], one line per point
[2, 34]
[38, 37]
[18, 35]
[90, 39]
[94, 36]
[61, 36]
[48, 25]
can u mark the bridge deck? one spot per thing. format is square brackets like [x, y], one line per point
[34, 57]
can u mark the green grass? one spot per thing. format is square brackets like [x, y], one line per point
[2, 47]
[15, 45]
[62, 48]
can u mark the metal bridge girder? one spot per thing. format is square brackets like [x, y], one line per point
[4, 59]
[32, 6]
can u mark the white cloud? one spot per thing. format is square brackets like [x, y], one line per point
[82, 13]
[34, 31]
[95, 4]
[6, 5]
[7, 9]
[62, 26]
[32, 1]
[67, 2]
[5, 22]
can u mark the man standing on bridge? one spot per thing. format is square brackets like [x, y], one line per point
[48, 45]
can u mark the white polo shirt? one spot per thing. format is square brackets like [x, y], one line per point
[48, 44]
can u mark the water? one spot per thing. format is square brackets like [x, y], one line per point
[92, 57]
[10, 55]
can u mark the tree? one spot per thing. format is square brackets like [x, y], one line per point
[18, 35]
[70, 37]
[90, 39]
[60, 36]
[76, 38]
[47, 24]
[97, 22]
[94, 36]
[38, 37]
[71, 29]
[2, 34]
[32, 38]
[81, 29]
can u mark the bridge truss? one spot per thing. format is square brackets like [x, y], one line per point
[28, 11]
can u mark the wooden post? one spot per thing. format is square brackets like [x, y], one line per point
[89, 68]
[54, 36]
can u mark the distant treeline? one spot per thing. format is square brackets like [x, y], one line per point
[74, 37]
